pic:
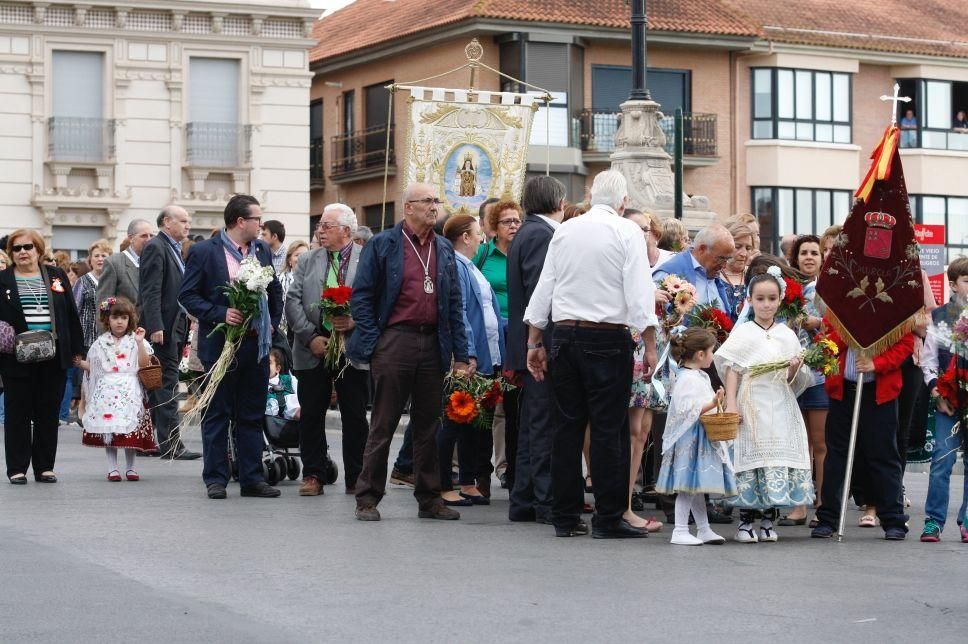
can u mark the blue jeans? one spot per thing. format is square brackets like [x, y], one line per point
[65, 408]
[943, 458]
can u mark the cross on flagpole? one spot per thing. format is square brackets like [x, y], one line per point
[894, 101]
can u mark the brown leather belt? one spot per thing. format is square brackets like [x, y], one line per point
[583, 324]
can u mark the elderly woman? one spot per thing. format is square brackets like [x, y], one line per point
[293, 253]
[37, 299]
[674, 237]
[734, 272]
[85, 291]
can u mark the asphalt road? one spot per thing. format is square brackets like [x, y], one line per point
[156, 561]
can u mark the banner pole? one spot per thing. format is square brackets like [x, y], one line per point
[855, 420]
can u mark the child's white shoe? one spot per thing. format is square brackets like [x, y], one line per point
[681, 537]
[768, 532]
[709, 537]
[745, 533]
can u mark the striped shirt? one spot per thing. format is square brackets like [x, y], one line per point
[33, 301]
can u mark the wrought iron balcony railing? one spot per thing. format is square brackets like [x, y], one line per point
[219, 145]
[360, 151]
[598, 129]
[71, 138]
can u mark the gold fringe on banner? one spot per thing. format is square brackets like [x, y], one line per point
[888, 340]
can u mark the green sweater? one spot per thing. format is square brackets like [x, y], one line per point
[494, 265]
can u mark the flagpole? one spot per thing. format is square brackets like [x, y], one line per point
[850, 459]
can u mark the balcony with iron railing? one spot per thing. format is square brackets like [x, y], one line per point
[77, 139]
[598, 129]
[218, 145]
[316, 170]
[362, 154]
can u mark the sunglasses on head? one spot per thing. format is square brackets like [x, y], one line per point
[19, 247]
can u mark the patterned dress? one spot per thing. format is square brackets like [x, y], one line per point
[691, 464]
[85, 295]
[770, 453]
[652, 395]
[115, 412]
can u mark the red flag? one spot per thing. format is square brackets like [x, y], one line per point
[871, 281]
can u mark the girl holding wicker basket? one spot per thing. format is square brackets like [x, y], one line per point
[115, 415]
[692, 465]
[762, 366]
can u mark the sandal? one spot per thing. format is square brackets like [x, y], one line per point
[867, 521]
[131, 475]
[114, 476]
[651, 525]
[18, 479]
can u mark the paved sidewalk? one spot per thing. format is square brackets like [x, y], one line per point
[156, 561]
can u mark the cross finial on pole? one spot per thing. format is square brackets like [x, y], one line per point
[894, 101]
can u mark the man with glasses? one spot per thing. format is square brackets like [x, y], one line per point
[409, 327]
[240, 397]
[700, 265]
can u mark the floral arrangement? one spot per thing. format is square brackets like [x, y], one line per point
[707, 316]
[793, 304]
[821, 356]
[245, 293]
[334, 302]
[472, 399]
[951, 382]
[106, 304]
[682, 299]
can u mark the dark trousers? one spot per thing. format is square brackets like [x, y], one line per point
[404, 462]
[591, 373]
[537, 423]
[466, 438]
[876, 457]
[907, 403]
[164, 401]
[512, 420]
[405, 364]
[32, 401]
[239, 399]
[314, 391]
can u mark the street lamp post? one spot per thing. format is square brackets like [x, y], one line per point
[639, 91]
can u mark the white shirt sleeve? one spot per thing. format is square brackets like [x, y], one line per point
[929, 355]
[638, 285]
[538, 312]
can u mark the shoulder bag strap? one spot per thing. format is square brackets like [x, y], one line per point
[487, 251]
[50, 301]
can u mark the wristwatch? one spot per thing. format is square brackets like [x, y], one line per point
[537, 345]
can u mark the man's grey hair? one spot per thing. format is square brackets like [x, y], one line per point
[363, 233]
[166, 212]
[542, 195]
[134, 224]
[347, 217]
[711, 234]
[412, 189]
[609, 189]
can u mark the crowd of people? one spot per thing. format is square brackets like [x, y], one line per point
[575, 310]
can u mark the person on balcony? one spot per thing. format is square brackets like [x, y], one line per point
[909, 130]
[961, 122]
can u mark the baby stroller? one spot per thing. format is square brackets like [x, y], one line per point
[280, 457]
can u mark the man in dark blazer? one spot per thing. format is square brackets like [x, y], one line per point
[241, 396]
[120, 277]
[160, 277]
[530, 499]
[409, 319]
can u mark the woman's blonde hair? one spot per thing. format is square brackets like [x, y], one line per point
[101, 245]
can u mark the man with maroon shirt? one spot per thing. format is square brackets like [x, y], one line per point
[409, 327]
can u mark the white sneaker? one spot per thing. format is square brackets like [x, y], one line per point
[681, 537]
[745, 533]
[709, 537]
[768, 532]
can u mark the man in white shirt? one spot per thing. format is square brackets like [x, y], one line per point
[595, 284]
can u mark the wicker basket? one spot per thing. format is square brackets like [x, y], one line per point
[721, 426]
[150, 376]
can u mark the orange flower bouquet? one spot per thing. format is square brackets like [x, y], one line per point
[472, 399]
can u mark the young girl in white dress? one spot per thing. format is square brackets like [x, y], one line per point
[691, 465]
[115, 415]
[771, 456]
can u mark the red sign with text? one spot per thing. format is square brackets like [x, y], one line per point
[932, 240]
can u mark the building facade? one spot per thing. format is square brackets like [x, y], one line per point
[781, 106]
[111, 110]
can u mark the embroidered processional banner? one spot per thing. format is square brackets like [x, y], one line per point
[471, 145]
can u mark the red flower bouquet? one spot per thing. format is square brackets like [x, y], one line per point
[709, 317]
[334, 302]
[951, 382]
[794, 304]
[472, 399]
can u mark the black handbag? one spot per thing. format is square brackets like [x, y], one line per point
[38, 345]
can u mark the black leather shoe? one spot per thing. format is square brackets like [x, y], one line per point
[187, 455]
[716, 516]
[45, 478]
[151, 453]
[261, 490]
[621, 530]
[216, 491]
[18, 479]
[580, 529]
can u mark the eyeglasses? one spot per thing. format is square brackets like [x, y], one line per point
[427, 201]
[328, 225]
[19, 247]
[258, 219]
[510, 223]
[723, 258]
[646, 230]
